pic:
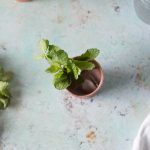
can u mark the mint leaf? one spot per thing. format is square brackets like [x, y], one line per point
[60, 57]
[4, 89]
[53, 68]
[84, 65]
[58, 75]
[90, 54]
[56, 55]
[54, 48]
[44, 44]
[75, 69]
[4, 103]
[61, 81]
[51, 53]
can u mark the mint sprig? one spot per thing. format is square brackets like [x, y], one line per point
[66, 70]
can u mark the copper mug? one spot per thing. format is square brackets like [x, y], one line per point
[142, 8]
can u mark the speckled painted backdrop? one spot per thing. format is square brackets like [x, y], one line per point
[42, 118]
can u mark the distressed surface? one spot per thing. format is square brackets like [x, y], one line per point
[42, 118]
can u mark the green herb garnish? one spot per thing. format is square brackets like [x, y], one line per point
[4, 88]
[65, 69]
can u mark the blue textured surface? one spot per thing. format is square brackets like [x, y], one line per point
[42, 118]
